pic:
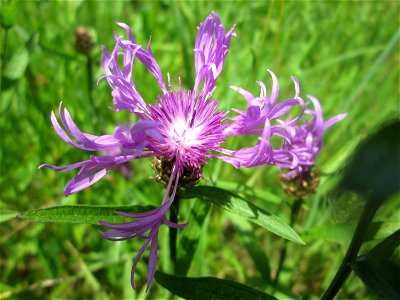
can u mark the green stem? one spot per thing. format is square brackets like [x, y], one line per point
[295, 208]
[89, 69]
[90, 81]
[173, 217]
[344, 270]
[90, 86]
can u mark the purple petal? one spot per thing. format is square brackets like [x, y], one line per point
[83, 180]
[139, 215]
[86, 141]
[66, 168]
[145, 57]
[146, 243]
[152, 258]
[283, 107]
[273, 97]
[318, 120]
[334, 120]
[175, 225]
[211, 48]
[247, 95]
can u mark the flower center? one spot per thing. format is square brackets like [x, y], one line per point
[192, 127]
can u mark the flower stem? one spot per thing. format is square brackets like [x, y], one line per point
[90, 81]
[89, 69]
[367, 215]
[173, 217]
[295, 208]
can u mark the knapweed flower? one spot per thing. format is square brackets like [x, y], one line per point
[184, 127]
[305, 144]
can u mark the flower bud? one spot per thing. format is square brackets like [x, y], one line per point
[163, 167]
[84, 40]
[300, 185]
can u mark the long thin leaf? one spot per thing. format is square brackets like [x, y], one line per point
[379, 268]
[241, 207]
[81, 214]
[208, 288]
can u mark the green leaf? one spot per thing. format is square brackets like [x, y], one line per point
[189, 238]
[379, 270]
[82, 214]
[374, 168]
[7, 214]
[208, 288]
[17, 64]
[381, 279]
[239, 206]
[384, 250]
[245, 190]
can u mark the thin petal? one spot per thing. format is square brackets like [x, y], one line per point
[152, 258]
[334, 120]
[83, 180]
[146, 243]
[211, 48]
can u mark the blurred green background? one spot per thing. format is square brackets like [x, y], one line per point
[344, 53]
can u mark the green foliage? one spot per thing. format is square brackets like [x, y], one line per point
[82, 214]
[208, 288]
[372, 172]
[245, 209]
[379, 268]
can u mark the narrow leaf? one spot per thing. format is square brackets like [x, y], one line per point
[379, 268]
[241, 207]
[208, 288]
[81, 214]
[381, 279]
[189, 238]
[385, 249]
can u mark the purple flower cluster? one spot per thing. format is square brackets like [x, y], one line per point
[306, 139]
[186, 127]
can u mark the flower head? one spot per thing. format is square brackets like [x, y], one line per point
[306, 139]
[185, 128]
[306, 143]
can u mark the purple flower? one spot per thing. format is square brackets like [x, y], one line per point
[306, 139]
[185, 127]
[256, 120]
